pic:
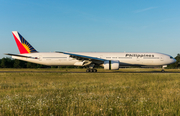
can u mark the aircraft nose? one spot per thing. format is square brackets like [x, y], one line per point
[174, 60]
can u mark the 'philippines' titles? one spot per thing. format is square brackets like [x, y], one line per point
[139, 55]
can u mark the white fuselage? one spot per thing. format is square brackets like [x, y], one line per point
[125, 59]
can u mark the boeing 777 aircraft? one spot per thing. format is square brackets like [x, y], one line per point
[110, 61]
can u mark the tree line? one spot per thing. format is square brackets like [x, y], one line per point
[14, 63]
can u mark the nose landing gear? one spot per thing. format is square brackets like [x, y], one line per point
[163, 68]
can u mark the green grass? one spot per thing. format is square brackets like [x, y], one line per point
[89, 94]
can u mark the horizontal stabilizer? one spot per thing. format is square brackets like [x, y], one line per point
[17, 55]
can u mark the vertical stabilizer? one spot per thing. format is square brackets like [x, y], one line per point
[23, 45]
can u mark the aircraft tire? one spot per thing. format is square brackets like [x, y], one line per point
[91, 70]
[87, 70]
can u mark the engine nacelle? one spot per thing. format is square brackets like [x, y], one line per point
[111, 64]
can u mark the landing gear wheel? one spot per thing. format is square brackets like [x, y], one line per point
[95, 70]
[162, 70]
[87, 70]
[91, 70]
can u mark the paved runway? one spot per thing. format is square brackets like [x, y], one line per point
[83, 72]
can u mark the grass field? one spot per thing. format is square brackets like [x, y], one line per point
[89, 93]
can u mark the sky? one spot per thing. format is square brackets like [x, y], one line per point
[91, 25]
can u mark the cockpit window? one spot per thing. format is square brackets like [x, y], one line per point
[171, 57]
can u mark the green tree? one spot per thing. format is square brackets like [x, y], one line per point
[6, 63]
[31, 65]
[17, 64]
[3, 63]
[0, 63]
[177, 61]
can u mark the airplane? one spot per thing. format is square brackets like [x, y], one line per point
[110, 61]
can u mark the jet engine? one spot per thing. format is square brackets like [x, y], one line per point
[111, 64]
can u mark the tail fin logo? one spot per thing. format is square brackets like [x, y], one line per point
[23, 45]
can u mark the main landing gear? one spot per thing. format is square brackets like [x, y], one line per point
[91, 68]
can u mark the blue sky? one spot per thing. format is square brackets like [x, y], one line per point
[92, 25]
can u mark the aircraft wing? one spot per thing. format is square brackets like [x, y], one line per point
[17, 55]
[83, 57]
